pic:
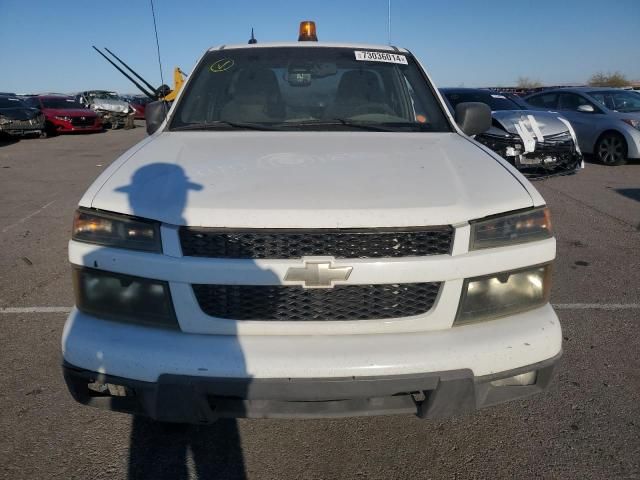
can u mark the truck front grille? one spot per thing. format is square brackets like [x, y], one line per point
[294, 303]
[338, 243]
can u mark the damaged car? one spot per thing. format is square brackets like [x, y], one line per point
[114, 111]
[64, 114]
[539, 144]
[18, 119]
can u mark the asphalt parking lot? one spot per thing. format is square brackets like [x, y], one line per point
[586, 426]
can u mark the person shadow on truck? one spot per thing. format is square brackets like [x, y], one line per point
[162, 449]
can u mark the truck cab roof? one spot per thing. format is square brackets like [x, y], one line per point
[364, 46]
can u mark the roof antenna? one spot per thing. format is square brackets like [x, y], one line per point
[155, 28]
[389, 23]
[252, 40]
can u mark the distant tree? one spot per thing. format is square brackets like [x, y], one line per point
[615, 79]
[526, 82]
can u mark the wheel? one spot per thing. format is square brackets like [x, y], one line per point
[49, 131]
[611, 149]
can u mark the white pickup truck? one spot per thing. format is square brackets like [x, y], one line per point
[308, 232]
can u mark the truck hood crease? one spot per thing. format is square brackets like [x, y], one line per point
[243, 179]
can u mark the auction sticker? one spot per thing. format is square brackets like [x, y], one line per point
[367, 56]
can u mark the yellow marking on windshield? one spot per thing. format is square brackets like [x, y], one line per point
[222, 65]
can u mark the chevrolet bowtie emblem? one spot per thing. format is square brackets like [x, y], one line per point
[318, 274]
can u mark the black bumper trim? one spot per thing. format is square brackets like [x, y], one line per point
[193, 399]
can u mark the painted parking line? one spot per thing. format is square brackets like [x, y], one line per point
[557, 306]
[35, 310]
[596, 306]
[24, 219]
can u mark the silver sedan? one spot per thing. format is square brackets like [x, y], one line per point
[606, 120]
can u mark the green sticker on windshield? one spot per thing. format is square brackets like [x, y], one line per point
[222, 65]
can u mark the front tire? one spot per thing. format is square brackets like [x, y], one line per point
[611, 149]
[49, 131]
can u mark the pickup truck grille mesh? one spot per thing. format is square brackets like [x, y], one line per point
[338, 243]
[294, 303]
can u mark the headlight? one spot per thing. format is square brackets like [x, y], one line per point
[123, 297]
[520, 227]
[633, 122]
[4, 120]
[118, 231]
[506, 293]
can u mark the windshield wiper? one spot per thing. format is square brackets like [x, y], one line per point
[374, 127]
[341, 121]
[223, 124]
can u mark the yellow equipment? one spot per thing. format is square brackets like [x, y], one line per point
[178, 80]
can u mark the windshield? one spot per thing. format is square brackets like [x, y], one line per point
[494, 100]
[104, 95]
[620, 101]
[11, 102]
[61, 103]
[310, 88]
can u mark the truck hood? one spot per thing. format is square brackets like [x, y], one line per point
[308, 180]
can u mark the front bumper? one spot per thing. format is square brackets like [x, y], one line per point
[178, 376]
[632, 136]
[61, 126]
[196, 399]
[547, 160]
[111, 118]
[22, 131]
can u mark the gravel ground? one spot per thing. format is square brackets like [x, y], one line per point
[586, 426]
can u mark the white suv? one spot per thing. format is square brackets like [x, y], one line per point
[309, 233]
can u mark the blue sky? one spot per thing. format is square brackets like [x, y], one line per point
[46, 45]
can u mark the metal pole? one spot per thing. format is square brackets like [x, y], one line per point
[155, 28]
[148, 94]
[153, 89]
[389, 23]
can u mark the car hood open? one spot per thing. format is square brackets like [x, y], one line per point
[308, 180]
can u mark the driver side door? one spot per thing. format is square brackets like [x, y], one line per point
[584, 123]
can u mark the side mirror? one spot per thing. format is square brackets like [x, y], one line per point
[586, 108]
[154, 114]
[473, 117]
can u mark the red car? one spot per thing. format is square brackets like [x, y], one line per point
[64, 114]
